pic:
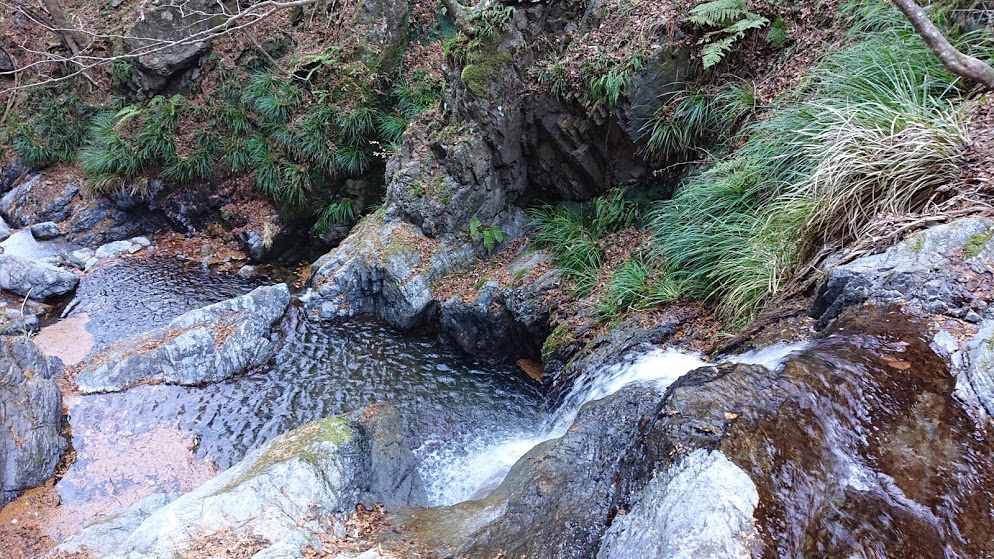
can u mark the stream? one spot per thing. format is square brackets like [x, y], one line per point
[842, 454]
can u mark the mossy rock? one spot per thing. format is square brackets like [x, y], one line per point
[483, 70]
[302, 443]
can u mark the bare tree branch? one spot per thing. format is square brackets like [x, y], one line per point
[962, 65]
[83, 60]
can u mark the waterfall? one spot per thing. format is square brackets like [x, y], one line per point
[453, 477]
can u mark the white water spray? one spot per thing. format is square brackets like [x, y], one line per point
[485, 460]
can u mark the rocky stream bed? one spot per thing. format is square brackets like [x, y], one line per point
[186, 405]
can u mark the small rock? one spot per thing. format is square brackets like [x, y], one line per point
[111, 250]
[247, 271]
[90, 263]
[973, 317]
[45, 231]
[143, 241]
[134, 248]
[79, 258]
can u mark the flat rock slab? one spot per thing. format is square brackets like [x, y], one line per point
[205, 345]
[36, 280]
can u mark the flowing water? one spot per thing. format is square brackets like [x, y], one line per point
[868, 455]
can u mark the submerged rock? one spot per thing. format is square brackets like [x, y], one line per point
[204, 345]
[36, 280]
[31, 443]
[280, 494]
[108, 533]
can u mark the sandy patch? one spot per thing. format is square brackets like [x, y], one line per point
[67, 339]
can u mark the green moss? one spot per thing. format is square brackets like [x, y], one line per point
[917, 244]
[299, 443]
[976, 243]
[561, 336]
[483, 70]
[417, 190]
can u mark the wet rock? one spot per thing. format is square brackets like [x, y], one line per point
[556, 500]
[394, 478]
[170, 22]
[701, 507]
[33, 279]
[205, 345]
[938, 271]
[980, 372]
[37, 200]
[45, 231]
[31, 443]
[282, 493]
[107, 533]
[98, 221]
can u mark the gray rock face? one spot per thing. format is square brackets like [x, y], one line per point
[937, 271]
[35, 280]
[30, 417]
[374, 272]
[45, 231]
[701, 507]
[205, 345]
[176, 22]
[394, 478]
[6, 64]
[281, 492]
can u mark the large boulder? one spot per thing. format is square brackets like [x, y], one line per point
[31, 443]
[36, 280]
[701, 507]
[280, 495]
[169, 41]
[204, 345]
[504, 322]
[947, 269]
[393, 478]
